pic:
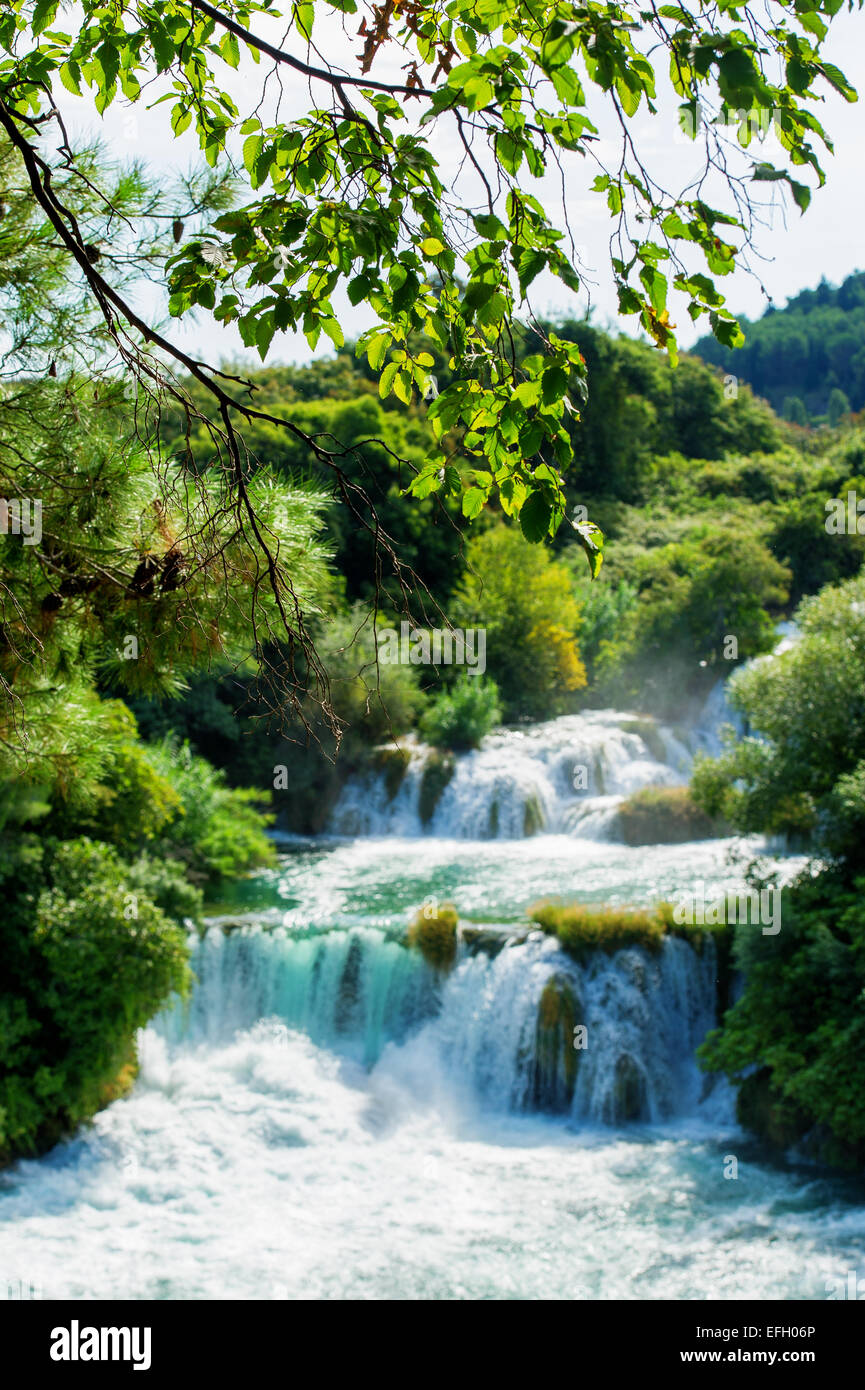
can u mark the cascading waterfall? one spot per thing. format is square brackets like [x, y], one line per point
[565, 776]
[503, 1022]
[509, 1025]
[327, 1116]
[352, 990]
[568, 775]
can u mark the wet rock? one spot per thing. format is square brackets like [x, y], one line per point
[629, 1098]
[555, 1059]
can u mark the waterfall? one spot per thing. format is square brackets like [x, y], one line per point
[502, 1023]
[565, 776]
[717, 712]
[643, 1017]
[352, 990]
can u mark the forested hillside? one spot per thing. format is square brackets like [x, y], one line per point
[714, 516]
[807, 358]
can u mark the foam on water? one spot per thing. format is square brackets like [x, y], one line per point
[266, 1167]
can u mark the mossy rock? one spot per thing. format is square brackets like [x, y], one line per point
[533, 816]
[434, 933]
[494, 819]
[582, 929]
[761, 1110]
[489, 941]
[665, 816]
[555, 1060]
[629, 1100]
[393, 762]
[438, 771]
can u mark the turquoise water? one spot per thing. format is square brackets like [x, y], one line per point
[329, 1120]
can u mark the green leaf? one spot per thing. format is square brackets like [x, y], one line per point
[591, 538]
[554, 384]
[568, 86]
[304, 15]
[334, 332]
[402, 386]
[251, 150]
[387, 378]
[473, 502]
[44, 13]
[377, 349]
[426, 482]
[509, 152]
[535, 516]
[488, 225]
[358, 289]
[70, 76]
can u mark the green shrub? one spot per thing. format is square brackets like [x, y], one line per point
[218, 831]
[800, 1021]
[525, 601]
[797, 768]
[459, 717]
[89, 958]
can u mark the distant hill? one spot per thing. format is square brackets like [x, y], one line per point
[807, 359]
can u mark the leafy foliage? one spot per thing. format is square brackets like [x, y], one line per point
[348, 195]
[525, 601]
[799, 1022]
[88, 954]
[805, 712]
[459, 716]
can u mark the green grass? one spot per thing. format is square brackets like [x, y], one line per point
[581, 929]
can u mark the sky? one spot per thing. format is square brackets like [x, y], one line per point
[795, 250]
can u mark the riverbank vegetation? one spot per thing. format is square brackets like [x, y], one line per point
[795, 1040]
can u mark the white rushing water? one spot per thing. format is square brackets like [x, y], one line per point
[328, 1117]
[568, 775]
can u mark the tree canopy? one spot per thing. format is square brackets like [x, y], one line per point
[349, 195]
[806, 358]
